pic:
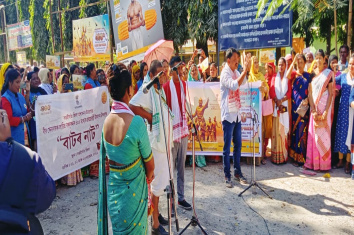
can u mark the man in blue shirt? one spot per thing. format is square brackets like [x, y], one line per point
[230, 82]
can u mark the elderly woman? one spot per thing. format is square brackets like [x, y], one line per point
[46, 82]
[280, 92]
[255, 76]
[35, 91]
[318, 156]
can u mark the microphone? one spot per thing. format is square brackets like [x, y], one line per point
[153, 81]
[177, 65]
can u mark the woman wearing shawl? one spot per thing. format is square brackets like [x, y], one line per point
[46, 81]
[350, 137]
[280, 92]
[126, 143]
[194, 76]
[135, 75]
[318, 156]
[255, 76]
[299, 124]
[346, 81]
[271, 72]
[3, 70]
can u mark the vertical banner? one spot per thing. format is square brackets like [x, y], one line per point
[69, 128]
[136, 25]
[19, 35]
[52, 62]
[204, 99]
[91, 39]
[21, 58]
[239, 27]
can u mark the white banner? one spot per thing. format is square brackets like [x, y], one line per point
[69, 127]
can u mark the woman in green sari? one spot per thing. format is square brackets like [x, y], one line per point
[125, 142]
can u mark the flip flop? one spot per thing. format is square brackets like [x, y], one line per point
[263, 162]
[306, 172]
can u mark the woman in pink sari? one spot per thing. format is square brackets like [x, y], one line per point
[321, 103]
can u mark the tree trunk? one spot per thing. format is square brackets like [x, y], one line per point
[278, 54]
[328, 41]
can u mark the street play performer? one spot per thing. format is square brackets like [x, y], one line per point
[175, 90]
[230, 82]
[148, 106]
[135, 21]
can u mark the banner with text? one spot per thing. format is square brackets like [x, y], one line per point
[91, 39]
[136, 25]
[19, 35]
[239, 27]
[69, 128]
[205, 101]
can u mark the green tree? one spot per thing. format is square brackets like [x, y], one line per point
[40, 35]
[175, 21]
[203, 22]
[23, 6]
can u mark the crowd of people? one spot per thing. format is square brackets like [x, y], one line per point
[310, 98]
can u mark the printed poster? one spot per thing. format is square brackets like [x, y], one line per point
[78, 81]
[19, 35]
[21, 58]
[205, 101]
[52, 61]
[136, 25]
[91, 39]
[69, 128]
[267, 56]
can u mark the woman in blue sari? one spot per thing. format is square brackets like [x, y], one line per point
[125, 142]
[299, 124]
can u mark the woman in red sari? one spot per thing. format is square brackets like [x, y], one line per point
[321, 103]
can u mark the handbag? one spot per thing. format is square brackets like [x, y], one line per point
[303, 107]
[267, 107]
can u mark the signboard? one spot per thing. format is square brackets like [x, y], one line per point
[52, 61]
[91, 39]
[136, 25]
[239, 27]
[21, 58]
[205, 102]
[78, 81]
[69, 127]
[19, 35]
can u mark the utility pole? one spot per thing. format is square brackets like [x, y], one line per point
[61, 37]
[349, 38]
[7, 54]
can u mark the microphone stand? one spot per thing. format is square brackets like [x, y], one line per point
[170, 189]
[194, 220]
[253, 177]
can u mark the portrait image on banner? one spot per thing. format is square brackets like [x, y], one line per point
[52, 61]
[136, 25]
[91, 39]
[205, 101]
[69, 128]
[239, 27]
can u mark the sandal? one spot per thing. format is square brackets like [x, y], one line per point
[264, 161]
[347, 168]
[295, 164]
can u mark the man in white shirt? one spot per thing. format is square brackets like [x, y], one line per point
[343, 55]
[230, 82]
[148, 106]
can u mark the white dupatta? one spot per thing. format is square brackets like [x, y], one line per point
[348, 142]
[281, 88]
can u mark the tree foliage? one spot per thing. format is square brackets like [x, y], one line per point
[175, 21]
[203, 22]
[40, 35]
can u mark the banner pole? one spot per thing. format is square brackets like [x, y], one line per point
[110, 29]
[51, 25]
[61, 38]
